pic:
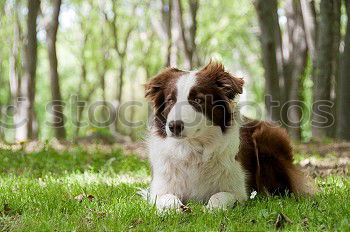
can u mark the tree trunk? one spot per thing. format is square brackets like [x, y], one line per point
[102, 67]
[295, 63]
[15, 63]
[167, 26]
[79, 101]
[268, 21]
[331, 132]
[188, 37]
[57, 104]
[310, 25]
[121, 80]
[343, 126]
[194, 5]
[321, 110]
[25, 110]
[164, 29]
[122, 55]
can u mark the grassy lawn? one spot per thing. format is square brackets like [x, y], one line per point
[77, 190]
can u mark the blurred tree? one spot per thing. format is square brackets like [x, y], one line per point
[343, 129]
[310, 25]
[82, 97]
[26, 127]
[151, 31]
[164, 29]
[270, 46]
[335, 78]
[295, 52]
[167, 11]
[284, 60]
[325, 61]
[120, 45]
[188, 32]
[57, 103]
[102, 68]
[15, 69]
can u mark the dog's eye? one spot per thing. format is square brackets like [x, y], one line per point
[198, 100]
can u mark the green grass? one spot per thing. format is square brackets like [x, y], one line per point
[38, 192]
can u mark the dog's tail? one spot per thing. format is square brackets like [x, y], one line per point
[301, 183]
[276, 173]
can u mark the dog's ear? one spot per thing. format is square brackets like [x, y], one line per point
[154, 88]
[226, 82]
[230, 85]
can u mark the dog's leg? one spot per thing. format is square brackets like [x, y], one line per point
[168, 201]
[221, 200]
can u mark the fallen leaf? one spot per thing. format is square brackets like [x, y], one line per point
[87, 220]
[102, 214]
[90, 197]
[281, 220]
[7, 209]
[305, 222]
[222, 227]
[135, 223]
[81, 197]
[185, 209]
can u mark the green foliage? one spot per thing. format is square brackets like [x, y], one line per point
[225, 32]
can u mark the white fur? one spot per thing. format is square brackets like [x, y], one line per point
[168, 201]
[221, 200]
[193, 120]
[201, 166]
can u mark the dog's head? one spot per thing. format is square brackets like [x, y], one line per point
[186, 103]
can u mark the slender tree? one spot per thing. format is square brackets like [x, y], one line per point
[321, 110]
[188, 35]
[51, 38]
[167, 20]
[15, 69]
[310, 24]
[269, 28]
[120, 46]
[25, 115]
[15, 62]
[331, 132]
[295, 53]
[284, 61]
[164, 29]
[82, 97]
[343, 128]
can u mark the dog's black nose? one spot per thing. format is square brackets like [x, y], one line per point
[176, 127]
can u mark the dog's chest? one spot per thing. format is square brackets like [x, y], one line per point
[197, 179]
[194, 172]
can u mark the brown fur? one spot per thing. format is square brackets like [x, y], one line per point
[160, 90]
[266, 155]
[214, 74]
[217, 88]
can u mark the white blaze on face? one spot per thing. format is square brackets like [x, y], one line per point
[183, 110]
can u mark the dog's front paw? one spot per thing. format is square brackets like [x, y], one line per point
[168, 201]
[221, 200]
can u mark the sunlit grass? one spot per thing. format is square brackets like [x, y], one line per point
[40, 192]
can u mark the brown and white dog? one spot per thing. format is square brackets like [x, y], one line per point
[201, 149]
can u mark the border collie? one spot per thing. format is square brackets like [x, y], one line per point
[202, 149]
